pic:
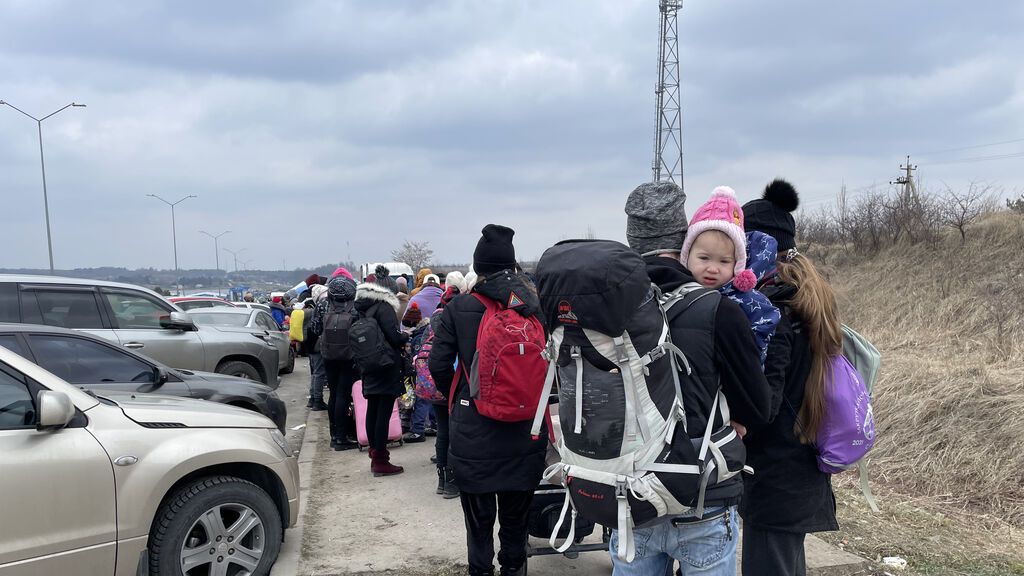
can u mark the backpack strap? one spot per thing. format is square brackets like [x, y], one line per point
[490, 304]
[632, 396]
[550, 353]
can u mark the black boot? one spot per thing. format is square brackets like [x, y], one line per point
[521, 571]
[451, 490]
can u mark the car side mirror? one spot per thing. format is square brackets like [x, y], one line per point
[178, 321]
[159, 376]
[55, 410]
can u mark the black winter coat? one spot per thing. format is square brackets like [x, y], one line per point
[787, 491]
[486, 455]
[737, 362]
[379, 303]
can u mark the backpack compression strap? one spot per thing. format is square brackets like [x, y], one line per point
[550, 353]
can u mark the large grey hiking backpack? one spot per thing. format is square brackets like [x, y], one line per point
[627, 457]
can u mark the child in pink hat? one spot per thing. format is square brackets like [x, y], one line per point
[715, 252]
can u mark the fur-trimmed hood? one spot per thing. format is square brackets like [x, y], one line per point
[368, 294]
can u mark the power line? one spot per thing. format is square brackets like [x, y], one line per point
[971, 147]
[977, 159]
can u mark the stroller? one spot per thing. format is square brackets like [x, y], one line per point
[546, 508]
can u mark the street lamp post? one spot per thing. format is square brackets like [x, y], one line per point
[235, 253]
[42, 166]
[216, 250]
[174, 232]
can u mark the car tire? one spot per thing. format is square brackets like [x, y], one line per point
[290, 366]
[196, 528]
[240, 369]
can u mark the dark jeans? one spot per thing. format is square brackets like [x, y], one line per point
[511, 510]
[317, 377]
[378, 415]
[341, 374]
[441, 442]
[773, 553]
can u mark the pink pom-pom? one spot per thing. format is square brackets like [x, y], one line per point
[745, 281]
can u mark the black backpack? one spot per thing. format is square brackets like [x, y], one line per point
[335, 341]
[370, 350]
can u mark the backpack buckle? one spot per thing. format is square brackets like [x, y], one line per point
[620, 489]
[656, 353]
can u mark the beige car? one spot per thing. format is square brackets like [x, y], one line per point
[124, 484]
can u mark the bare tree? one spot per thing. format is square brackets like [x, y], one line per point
[960, 208]
[415, 254]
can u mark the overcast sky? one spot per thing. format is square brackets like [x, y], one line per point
[319, 130]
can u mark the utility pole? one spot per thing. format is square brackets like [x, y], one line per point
[910, 204]
[907, 180]
[668, 125]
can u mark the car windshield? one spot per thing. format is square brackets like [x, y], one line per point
[226, 320]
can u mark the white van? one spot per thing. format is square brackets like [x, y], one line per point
[395, 269]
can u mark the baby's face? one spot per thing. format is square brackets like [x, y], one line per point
[712, 259]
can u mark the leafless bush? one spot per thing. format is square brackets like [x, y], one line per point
[876, 219]
[961, 208]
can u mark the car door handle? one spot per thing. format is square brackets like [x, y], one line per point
[134, 345]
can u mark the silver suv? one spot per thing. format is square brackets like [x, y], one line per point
[138, 319]
[126, 484]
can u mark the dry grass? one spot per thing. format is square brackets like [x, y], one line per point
[949, 404]
[933, 543]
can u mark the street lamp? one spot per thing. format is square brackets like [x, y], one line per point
[174, 230]
[42, 166]
[235, 253]
[216, 250]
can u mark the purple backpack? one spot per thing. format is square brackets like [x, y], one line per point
[847, 432]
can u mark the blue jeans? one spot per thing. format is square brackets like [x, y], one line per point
[422, 412]
[706, 547]
[317, 377]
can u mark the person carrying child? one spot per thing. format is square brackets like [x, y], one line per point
[716, 338]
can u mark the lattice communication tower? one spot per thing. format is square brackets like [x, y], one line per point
[668, 135]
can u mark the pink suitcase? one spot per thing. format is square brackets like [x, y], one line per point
[359, 404]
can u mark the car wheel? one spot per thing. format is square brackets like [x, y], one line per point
[216, 525]
[240, 369]
[290, 366]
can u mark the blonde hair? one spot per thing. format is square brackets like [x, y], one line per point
[815, 304]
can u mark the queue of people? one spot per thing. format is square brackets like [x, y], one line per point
[756, 328]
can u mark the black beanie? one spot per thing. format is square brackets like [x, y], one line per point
[494, 252]
[772, 213]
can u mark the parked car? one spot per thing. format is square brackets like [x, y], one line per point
[93, 363]
[252, 305]
[187, 303]
[261, 324]
[119, 483]
[138, 319]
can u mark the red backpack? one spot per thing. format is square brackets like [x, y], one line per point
[507, 375]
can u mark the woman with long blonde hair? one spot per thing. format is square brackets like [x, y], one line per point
[788, 497]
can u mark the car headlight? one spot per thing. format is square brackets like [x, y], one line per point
[281, 442]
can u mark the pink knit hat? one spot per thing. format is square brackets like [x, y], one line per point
[723, 213]
[342, 271]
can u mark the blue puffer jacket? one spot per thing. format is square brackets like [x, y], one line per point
[762, 314]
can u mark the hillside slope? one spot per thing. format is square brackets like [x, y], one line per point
[949, 321]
